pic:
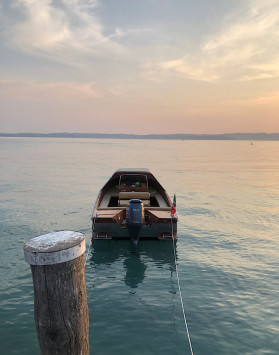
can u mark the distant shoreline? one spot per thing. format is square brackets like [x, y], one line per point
[226, 136]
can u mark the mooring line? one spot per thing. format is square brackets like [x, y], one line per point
[180, 293]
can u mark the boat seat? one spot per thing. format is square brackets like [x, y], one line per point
[133, 187]
[123, 203]
[105, 201]
[142, 195]
[161, 201]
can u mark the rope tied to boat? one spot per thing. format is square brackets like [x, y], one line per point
[179, 289]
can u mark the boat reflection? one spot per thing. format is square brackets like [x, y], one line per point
[135, 260]
[135, 270]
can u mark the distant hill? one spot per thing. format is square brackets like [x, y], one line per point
[229, 136]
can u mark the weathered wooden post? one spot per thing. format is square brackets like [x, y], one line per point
[60, 303]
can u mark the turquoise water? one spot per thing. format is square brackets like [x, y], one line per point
[228, 249]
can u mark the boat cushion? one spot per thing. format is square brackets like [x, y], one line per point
[125, 202]
[134, 194]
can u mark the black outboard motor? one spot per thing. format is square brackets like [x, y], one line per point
[134, 219]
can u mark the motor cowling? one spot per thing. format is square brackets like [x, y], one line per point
[134, 219]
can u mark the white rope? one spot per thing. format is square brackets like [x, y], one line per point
[181, 300]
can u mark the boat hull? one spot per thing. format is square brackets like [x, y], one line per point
[115, 216]
[161, 231]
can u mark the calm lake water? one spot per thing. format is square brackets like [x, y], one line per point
[228, 248]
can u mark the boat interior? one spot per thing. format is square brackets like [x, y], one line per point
[119, 191]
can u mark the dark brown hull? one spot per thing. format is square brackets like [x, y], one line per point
[109, 214]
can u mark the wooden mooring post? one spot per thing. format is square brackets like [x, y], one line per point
[60, 303]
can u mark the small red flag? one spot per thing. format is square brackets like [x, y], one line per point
[173, 207]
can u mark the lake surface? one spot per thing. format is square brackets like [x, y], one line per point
[228, 248]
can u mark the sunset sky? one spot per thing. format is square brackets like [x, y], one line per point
[150, 66]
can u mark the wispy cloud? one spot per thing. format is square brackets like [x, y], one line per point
[265, 100]
[31, 90]
[245, 48]
[68, 31]
[193, 68]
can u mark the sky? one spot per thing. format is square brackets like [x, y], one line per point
[149, 66]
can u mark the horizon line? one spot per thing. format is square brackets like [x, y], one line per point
[174, 136]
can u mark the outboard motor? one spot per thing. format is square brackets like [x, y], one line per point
[134, 219]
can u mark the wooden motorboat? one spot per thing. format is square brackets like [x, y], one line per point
[133, 205]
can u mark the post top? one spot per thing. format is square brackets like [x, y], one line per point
[55, 241]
